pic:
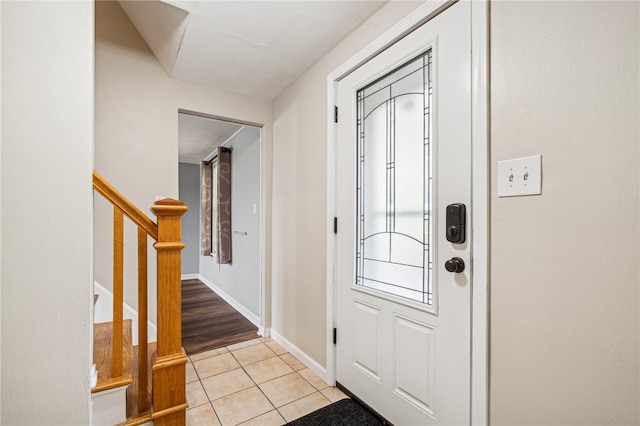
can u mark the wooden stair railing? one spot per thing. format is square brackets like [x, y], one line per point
[169, 402]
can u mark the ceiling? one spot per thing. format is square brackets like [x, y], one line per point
[198, 136]
[255, 48]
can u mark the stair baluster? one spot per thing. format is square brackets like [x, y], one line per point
[143, 353]
[118, 290]
[168, 405]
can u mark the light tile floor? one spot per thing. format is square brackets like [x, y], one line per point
[252, 383]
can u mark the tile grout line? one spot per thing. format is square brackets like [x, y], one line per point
[203, 389]
[315, 390]
[255, 384]
[258, 386]
[248, 375]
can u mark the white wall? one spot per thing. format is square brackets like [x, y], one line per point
[299, 192]
[137, 131]
[47, 143]
[241, 278]
[565, 278]
[189, 193]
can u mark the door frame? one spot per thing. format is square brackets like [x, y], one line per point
[480, 185]
[263, 319]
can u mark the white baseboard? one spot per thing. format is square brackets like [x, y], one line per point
[233, 302]
[309, 362]
[103, 312]
[190, 277]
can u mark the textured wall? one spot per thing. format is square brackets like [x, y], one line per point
[565, 278]
[136, 133]
[47, 147]
[300, 187]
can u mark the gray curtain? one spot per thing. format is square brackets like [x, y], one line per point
[224, 205]
[205, 208]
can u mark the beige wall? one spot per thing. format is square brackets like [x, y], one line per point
[565, 279]
[565, 276]
[0, 212]
[47, 145]
[136, 133]
[564, 283]
[299, 192]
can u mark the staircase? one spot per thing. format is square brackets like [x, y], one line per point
[136, 385]
[103, 356]
[111, 391]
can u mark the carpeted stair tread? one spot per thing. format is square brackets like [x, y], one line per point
[345, 412]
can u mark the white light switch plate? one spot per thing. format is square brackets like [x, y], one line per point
[520, 176]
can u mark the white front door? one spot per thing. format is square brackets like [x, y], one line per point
[403, 155]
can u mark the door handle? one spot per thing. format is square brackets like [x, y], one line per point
[455, 264]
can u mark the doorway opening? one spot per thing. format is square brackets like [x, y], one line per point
[222, 231]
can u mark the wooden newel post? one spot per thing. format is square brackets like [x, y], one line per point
[169, 397]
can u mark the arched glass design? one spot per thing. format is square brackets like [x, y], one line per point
[394, 190]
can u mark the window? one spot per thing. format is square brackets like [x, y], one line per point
[394, 176]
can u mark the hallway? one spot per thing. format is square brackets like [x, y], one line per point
[256, 382]
[233, 377]
[208, 322]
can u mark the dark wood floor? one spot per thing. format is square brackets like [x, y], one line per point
[208, 322]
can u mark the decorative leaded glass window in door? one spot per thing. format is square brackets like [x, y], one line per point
[394, 188]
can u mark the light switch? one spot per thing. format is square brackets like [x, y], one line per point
[520, 176]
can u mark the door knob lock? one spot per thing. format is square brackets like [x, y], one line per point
[456, 216]
[455, 264]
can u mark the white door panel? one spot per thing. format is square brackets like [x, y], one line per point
[403, 155]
